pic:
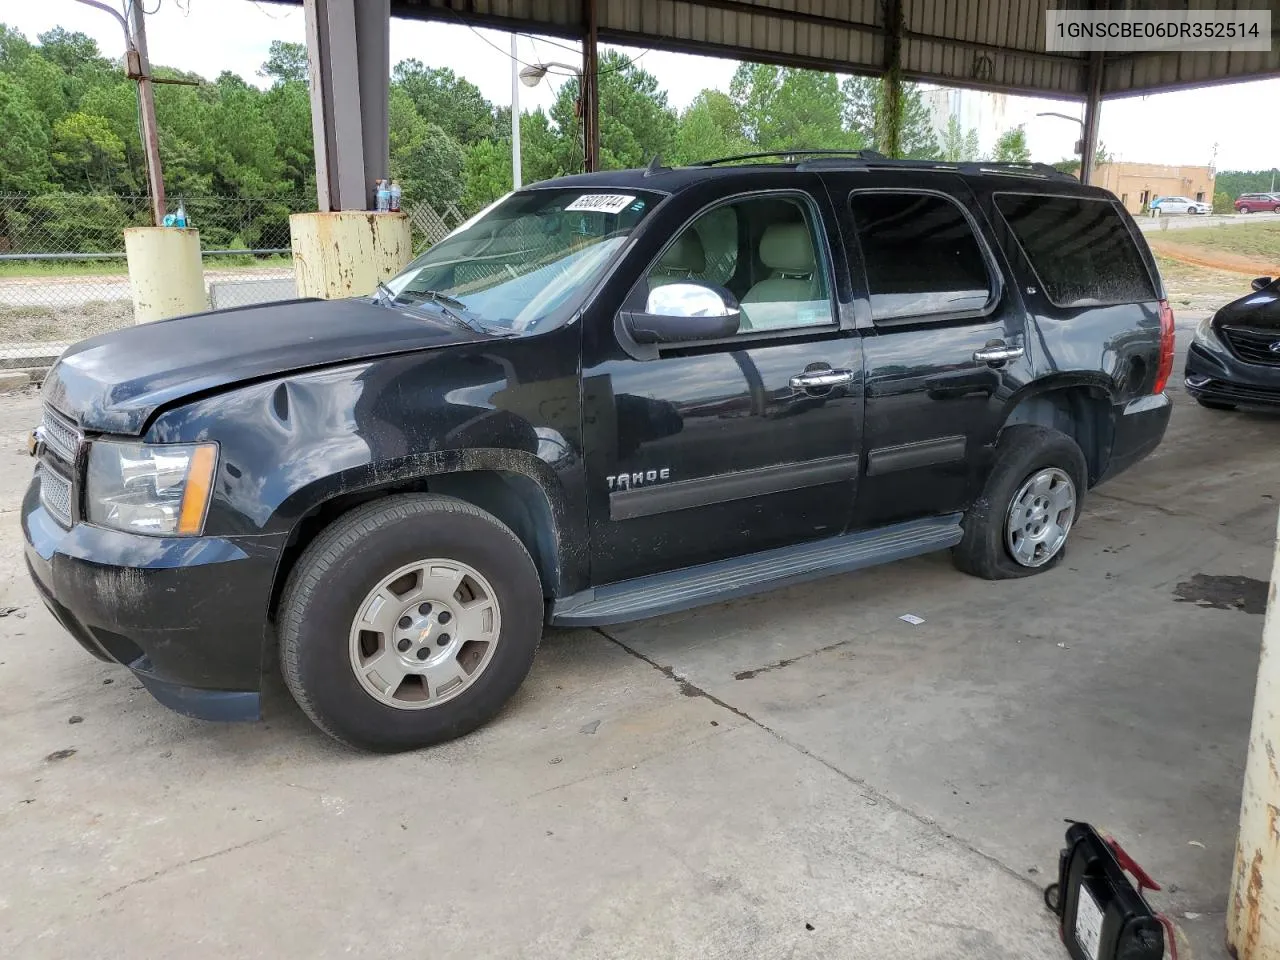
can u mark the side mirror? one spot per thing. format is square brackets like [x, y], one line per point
[1261, 283]
[684, 311]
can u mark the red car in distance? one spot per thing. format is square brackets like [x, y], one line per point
[1258, 203]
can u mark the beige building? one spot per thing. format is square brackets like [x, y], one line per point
[1137, 184]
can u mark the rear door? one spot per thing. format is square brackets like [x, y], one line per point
[944, 340]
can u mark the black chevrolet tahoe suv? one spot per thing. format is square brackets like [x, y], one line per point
[606, 397]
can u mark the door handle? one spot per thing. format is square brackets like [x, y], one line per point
[820, 379]
[998, 352]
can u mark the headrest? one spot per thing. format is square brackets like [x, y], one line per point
[685, 255]
[786, 248]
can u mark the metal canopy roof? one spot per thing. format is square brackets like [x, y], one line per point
[995, 44]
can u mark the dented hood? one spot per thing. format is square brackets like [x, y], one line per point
[114, 383]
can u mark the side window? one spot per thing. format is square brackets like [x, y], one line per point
[920, 254]
[761, 250]
[1080, 249]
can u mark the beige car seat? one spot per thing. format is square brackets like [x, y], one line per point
[787, 250]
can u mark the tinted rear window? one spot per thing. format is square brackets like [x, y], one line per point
[920, 253]
[1080, 249]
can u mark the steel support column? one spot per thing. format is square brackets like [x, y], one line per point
[1253, 909]
[348, 55]
[1092, 117]
[890, 119]
[590, 87]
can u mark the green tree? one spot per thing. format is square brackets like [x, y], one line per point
[636, 123]
[1236, 182]
[959, 145]
[24, 161]
[789, 109]
[14, 47]
[286, 63]
[864, 106]
[486, 173]
[1011, 147]
[80, 222]
[709, 127]
[442, 97]
[429, 167]
[542, 151]
[71, 50]
[86, 152]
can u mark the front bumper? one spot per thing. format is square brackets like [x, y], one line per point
[188, 615]
[1222, 377]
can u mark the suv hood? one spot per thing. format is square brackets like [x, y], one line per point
[113, 383]
[1260, 309]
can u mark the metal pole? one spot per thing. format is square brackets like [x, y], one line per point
[1092, 115]
[515, 116]
[590, 87]
[1253, 909]
[147, 104]
[890, 121]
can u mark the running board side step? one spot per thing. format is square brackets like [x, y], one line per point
[741, 576]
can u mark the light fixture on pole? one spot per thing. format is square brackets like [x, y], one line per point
[1067, 116]
[532, 74]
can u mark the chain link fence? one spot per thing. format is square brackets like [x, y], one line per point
[63, 275]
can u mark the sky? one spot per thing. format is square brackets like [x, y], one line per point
[209, 36]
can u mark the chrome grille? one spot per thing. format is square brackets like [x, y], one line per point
[1253, 345]
[60, 436]
[55, 495]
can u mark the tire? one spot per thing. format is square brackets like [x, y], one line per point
[402, 550]
[1275, 209]
[1024, 453]
[1215, 404]
[1243, 210]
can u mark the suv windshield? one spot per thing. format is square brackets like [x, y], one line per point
[528, 259]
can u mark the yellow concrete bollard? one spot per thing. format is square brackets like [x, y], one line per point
[165, 274]
[1253, 910]
[346, 253]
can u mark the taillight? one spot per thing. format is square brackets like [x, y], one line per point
[1166, 347]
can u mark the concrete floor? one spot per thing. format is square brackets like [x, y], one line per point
[799, 774]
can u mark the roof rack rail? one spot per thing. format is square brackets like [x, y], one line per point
[763, 154]
[818, 159]
[1040, 170]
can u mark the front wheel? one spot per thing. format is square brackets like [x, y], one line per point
[409, 621]
[1019, 525]
[1243, 210]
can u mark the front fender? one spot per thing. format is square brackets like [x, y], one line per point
[289, 445]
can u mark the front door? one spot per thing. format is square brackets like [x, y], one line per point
[944, 341]
[697, 451]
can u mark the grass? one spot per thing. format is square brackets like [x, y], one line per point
[1261, 240]
[62, 268]
[99, 268]
[1199, 288]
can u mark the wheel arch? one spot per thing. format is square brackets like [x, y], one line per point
[517, 487]
[1081, 407]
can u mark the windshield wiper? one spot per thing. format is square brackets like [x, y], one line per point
[451, 307]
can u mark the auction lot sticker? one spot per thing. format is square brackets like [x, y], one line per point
[601, 202]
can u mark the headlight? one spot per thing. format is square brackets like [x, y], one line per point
[1205, 332]
[160, 489]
